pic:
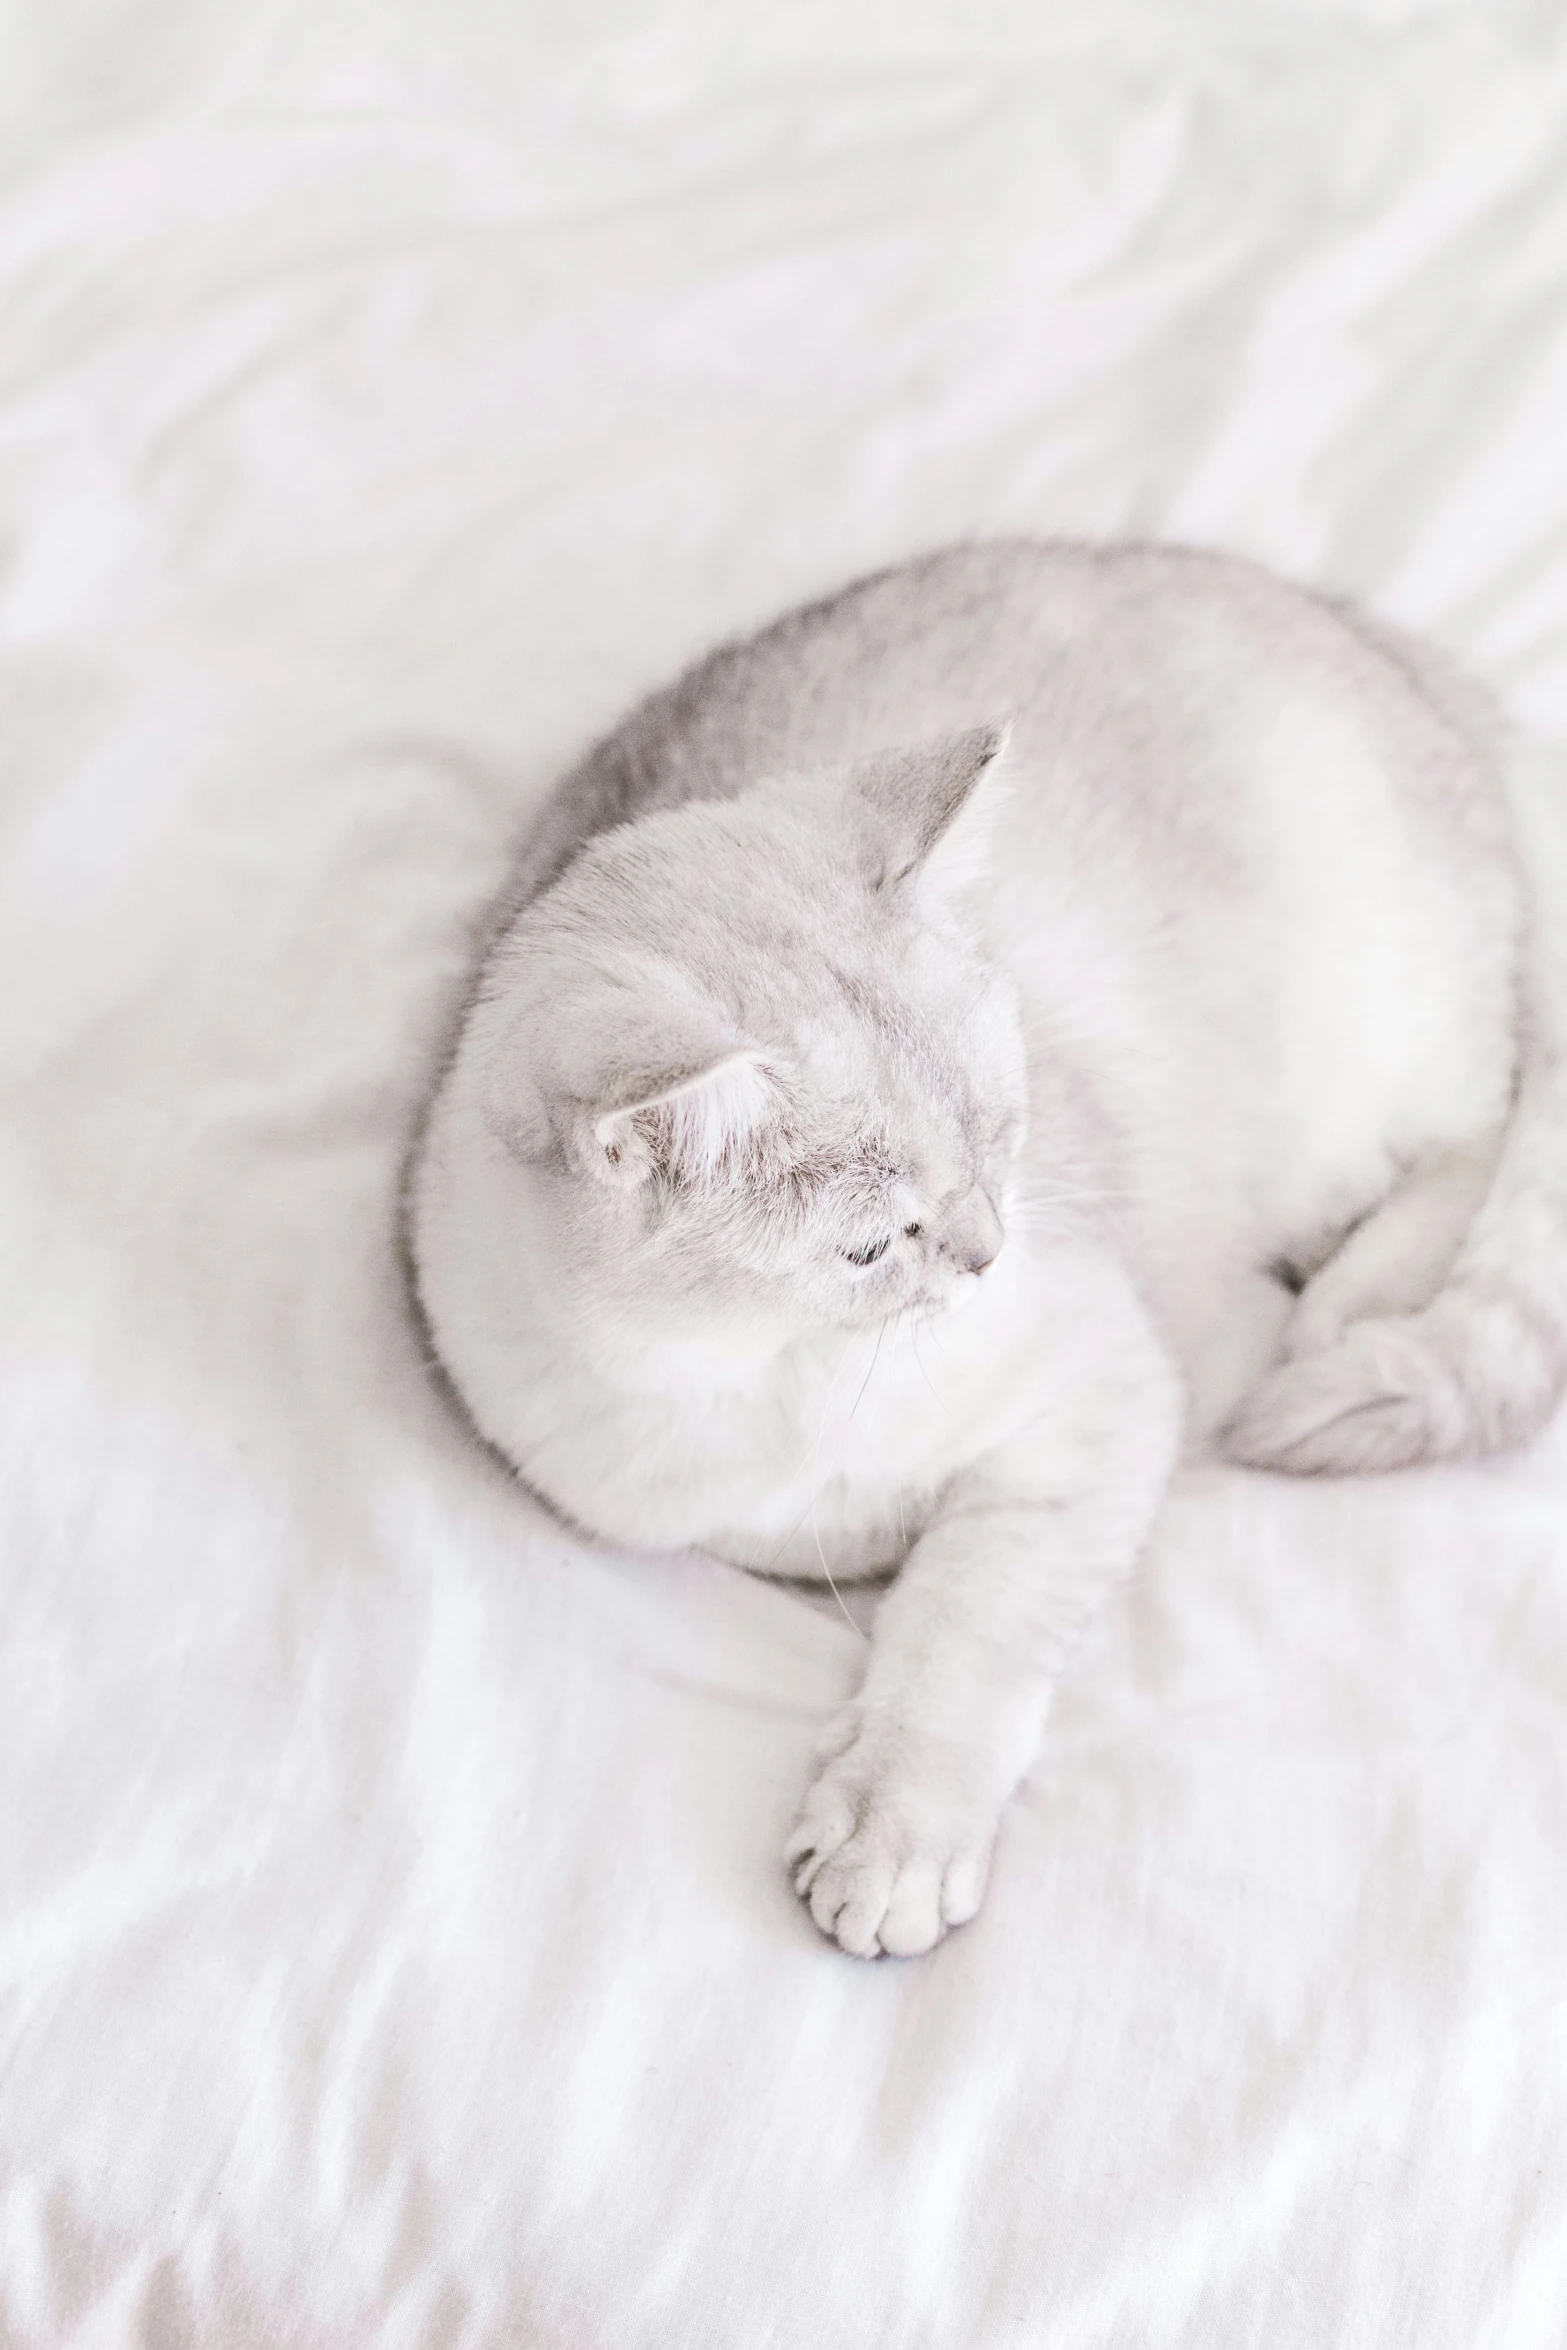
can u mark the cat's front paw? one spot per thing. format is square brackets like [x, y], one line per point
[893, 1841]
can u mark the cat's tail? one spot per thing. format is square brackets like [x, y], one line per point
[1484, 1363]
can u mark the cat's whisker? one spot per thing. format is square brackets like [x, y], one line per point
[1053, 1187]
[881, 1332]
[1057, 1221]
[809, 1511]
[1078, 1204]
[802, 1465]
[914, 1341]
[831, 1585]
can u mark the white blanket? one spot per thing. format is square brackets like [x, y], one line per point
[394, 1945]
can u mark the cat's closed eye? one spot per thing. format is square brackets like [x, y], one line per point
[869, 1254]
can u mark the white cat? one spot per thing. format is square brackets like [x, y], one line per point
[872, 1138]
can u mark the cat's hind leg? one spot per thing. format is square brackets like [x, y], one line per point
[1311, 1411]
[1396, 1259]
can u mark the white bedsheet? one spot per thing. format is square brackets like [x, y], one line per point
[394, 1947]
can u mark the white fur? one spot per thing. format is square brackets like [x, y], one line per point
[1216, 973]
[690, 1130]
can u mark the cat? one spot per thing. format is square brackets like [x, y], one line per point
[1036, 1014]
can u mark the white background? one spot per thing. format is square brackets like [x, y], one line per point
[393, 1945]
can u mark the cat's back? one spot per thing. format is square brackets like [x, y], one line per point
[1133, 675]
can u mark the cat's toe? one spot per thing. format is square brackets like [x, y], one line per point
[849, 1901]
[874, 1900]
[913, 1919]
[826, 1822]
[885, 1858]
[1363, 1404]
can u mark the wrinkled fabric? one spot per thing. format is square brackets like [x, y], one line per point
[393, 1942]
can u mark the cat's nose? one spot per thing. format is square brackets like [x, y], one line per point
[975, 1234]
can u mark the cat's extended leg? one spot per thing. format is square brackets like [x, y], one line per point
[1398, 1258]
[1391, 1265]
[893, 1843]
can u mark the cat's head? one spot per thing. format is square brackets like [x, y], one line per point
[757, 1057]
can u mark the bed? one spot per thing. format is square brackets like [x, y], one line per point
[394, 1947]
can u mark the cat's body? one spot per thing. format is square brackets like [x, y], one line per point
[1208, 989]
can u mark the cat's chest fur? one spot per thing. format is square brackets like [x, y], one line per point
[841, 1454]
[832, 1457]
[828, 1456]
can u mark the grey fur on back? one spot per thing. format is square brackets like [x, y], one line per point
[776, 700]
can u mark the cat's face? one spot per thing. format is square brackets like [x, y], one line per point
[868, 1175]
[767, 1079]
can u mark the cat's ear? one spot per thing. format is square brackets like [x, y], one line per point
[690, 1130]
[928, 811]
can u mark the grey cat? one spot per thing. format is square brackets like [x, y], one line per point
[1039, 1011]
